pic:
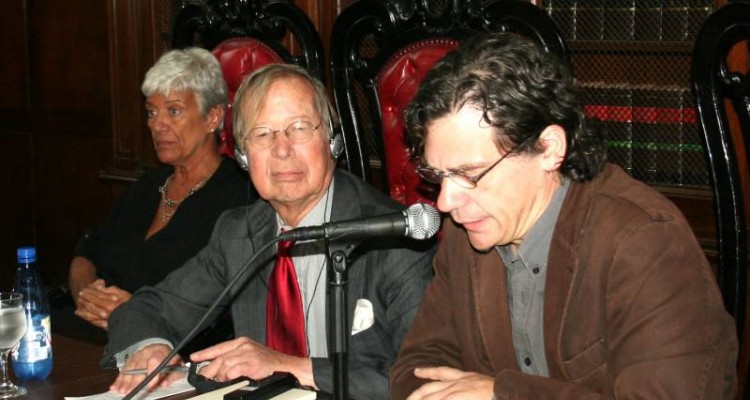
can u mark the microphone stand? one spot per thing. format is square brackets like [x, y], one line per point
[338, 337]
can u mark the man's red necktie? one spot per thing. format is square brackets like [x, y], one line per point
[285, 323]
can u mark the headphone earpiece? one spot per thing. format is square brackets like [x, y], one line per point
[240, 158]
[337, 145]
[337, 139]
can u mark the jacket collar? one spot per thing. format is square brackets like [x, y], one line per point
[564, 260]
[491, 306]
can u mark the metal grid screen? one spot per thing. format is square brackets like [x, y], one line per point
[632, 59]
[367, 51]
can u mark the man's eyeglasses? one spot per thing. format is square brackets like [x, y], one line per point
[298, 132]
[469, 182]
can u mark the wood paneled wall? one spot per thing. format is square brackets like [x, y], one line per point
[55, 128]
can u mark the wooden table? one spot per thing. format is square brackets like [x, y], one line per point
[75, 371]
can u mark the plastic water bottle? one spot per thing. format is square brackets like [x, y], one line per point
[33, 358]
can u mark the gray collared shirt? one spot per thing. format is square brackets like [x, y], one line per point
[310, 264]
[526, 274]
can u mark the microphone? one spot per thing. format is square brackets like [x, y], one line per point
[419, 221]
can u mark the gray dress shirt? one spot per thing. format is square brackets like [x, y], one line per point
[526, 274]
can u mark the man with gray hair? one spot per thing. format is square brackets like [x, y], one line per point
[284, 130]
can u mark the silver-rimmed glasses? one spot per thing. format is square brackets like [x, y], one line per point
[434, 175]
[298, 132]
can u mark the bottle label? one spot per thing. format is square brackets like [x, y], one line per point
[36, 345]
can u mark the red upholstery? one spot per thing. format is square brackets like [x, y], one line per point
[397, 83]
[239, 57]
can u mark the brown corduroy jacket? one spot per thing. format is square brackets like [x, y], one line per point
[631, 308]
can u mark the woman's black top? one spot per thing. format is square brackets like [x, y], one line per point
[119, 249]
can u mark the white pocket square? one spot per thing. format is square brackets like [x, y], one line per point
[364, 317]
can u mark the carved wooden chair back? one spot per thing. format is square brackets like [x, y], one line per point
[381, 50]
[715, 85]
[246, 35]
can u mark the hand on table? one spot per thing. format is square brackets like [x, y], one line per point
[148, 357]
[452, 383]
[246, 357]
[97, 301]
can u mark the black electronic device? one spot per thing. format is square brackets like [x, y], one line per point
[205, 385]
[264, 389]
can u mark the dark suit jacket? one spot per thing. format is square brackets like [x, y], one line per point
[391, 274]
[631, 308]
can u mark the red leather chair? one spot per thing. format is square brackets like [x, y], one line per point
[246, 35]
[381, 50]
[238, 57]
[397, 83]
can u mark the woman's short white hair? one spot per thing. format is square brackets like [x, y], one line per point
[193, 69]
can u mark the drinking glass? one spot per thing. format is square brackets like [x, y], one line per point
[12, 329]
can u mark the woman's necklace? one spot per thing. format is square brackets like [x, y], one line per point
[170, 204]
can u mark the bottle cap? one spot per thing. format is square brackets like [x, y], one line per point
[26, 254]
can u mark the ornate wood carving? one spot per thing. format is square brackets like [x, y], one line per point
[207, 23]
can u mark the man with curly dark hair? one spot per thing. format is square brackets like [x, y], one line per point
[560, 276]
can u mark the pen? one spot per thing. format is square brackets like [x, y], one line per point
[167, 369]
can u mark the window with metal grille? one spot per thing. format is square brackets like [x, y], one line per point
[632, 60]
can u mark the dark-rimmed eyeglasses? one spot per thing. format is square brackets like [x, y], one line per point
[297, 132]
[461, 179]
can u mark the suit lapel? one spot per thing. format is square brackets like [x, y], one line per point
[556, 291]
[562, 265]
[267, 226]
[491, 303]
[253, 299]
[346, 205]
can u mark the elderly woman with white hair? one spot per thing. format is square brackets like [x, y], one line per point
[167, 216]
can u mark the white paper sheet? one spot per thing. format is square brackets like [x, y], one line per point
[297, 394]
[182, 386]
[177, 387]
[218, 394]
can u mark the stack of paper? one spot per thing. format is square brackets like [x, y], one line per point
[177, 387]
[182, 386]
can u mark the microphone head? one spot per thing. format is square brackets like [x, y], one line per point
[423, 221]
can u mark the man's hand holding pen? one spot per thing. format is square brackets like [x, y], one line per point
[146, 359]
[165, 370]
[240, 357]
